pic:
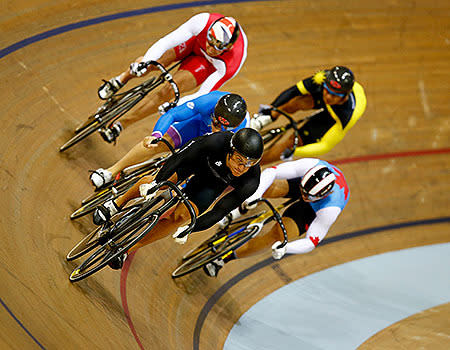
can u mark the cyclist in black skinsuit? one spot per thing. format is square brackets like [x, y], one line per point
[216, 162]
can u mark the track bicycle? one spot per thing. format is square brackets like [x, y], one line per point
[231, 238]
[120, 103]
[123, 182]
[125, 229]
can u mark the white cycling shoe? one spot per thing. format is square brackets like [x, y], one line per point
[101, 177]
[109, 88]
[212, 268]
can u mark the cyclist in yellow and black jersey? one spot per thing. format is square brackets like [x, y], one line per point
[338, 97]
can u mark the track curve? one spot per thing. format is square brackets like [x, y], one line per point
[398, 173]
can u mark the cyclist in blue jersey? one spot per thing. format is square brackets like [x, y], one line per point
[322, 194]
[215, 111]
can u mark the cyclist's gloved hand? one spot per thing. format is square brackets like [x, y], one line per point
[278, 253]
[180, 231]
[229, 218]
[264, 110]
[249, 205]
[148, 191]
[137, 69]
[262, 118]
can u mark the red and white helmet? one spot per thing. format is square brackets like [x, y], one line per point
[223, 33]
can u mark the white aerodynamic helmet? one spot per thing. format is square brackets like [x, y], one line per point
[223, 33]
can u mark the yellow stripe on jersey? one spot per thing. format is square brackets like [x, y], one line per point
[302, 88]
[361, 102]
[360, 107]
[335, 135]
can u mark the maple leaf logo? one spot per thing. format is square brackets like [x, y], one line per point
[340, 180]
[315, 240]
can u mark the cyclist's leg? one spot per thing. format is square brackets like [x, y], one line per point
[274, 153]
[177, 135]
[200, 196]
[261, 242]
[139, 154]
[166, 226]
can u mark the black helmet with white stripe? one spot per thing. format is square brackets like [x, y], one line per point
[317, 183]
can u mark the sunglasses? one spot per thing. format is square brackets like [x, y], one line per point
[220, 122]
[331, 91]
[242, 160]
[311, 198]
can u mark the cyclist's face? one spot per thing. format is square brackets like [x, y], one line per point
[238, 164]
[217, 126]
[212, 51]
[331, 99]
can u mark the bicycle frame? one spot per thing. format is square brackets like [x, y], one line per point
[130, 226]
[146, 87]
[265, 217]
[227, 240]
[119, 104]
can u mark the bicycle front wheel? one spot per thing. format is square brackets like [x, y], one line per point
[116, 112]
[113, 248]
[88, 243]
[217, 249]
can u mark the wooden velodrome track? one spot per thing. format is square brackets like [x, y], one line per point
[398, 172]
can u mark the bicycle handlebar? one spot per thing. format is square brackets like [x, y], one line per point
[293, 124]
[166, 76]
[277, 217]
[184, 200]
[167, 143]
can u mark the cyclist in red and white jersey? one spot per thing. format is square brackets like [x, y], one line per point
[212, 49]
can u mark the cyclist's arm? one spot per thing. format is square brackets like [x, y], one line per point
[180, 35]
[177, 114]
[184, 161]
[282, 101]
[316, 232]
[283, 171]
[331, 138]
[225, 205]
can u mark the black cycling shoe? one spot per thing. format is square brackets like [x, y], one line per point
[111, 133]
[104, 212]
[117, 262]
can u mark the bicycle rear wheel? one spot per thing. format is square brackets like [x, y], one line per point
[217, 249]
[101, 197]
[116, 246]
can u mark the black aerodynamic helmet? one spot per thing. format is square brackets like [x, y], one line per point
[230, 110]
[339, 80]
[249, 143]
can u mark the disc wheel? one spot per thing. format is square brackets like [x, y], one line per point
[215, 250]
